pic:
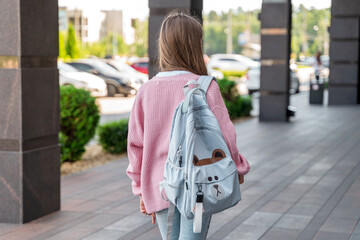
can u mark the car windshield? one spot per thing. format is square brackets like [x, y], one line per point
[227, 59]
[66, 67]
[103, 67]
[142, 64]
[123, 67]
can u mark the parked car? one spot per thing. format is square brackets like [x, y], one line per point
[253, 80]
[215, 73]
[231, 62]
[141, 66]
[128, 72]
[69, 75]
[116, 81]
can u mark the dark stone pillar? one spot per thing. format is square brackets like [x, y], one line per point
[344, 52]
[275, 55]
[29, 110]
[158, 10]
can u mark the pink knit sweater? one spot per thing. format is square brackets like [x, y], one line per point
[149, 133]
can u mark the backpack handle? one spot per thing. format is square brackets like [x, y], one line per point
[205, 82]
[186, 87]
[188, 96]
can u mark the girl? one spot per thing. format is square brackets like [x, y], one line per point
[181, 59]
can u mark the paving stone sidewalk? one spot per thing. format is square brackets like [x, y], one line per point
[304, 184]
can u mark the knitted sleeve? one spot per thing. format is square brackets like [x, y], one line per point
[135, 145]
[217, 105]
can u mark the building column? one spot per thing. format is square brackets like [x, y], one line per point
[344, 52]
[275, 55]
[158, 11]
[29, 110]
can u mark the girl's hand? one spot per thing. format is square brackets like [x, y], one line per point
[143, 210]
[142, 207]
[153, 218]
[241, 179]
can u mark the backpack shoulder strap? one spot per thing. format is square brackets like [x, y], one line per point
[205, 81]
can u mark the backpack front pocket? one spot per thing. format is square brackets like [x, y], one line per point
[219, 184]
[214, 172]
[174, 182]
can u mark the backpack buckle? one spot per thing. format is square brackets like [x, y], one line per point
[199, 194]
[199, 197]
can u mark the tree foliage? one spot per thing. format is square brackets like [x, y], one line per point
[105, 47]
[215, 26]
[72, 45]
[140, 45]
[62, 51]
[309, 30]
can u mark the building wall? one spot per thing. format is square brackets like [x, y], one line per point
[78, 20]
[113, 23]
[344, 52]
[80, 23]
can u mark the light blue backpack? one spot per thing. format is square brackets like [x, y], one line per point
[200, 176]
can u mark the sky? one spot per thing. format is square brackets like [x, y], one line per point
[139, 9]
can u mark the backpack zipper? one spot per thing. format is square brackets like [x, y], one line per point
[213, 130]
[179, 157]
[178, 151]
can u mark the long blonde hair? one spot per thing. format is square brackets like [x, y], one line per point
[180, 44]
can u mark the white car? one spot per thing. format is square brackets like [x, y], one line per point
[69, 75]
[215, 73]
[231, 62]
[252, 80]
[133, 76]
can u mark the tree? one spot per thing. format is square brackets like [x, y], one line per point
[215, 25]
[122, 47]
[72, 47]
[140, 45]
[62, 51]
[104, 47]
[309, 30]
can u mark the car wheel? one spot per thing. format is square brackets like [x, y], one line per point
[111, 90]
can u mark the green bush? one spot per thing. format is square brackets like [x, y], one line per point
[79, 116]
[113, 136]
[238, 106]
[228, 89]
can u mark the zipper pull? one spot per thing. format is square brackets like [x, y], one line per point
[180, 161]
[199, 197]
[179, 157]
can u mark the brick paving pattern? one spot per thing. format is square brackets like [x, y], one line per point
[304, 184]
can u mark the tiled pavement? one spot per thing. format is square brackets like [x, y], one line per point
[304, 184]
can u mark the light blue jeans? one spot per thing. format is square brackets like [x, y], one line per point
[182, 228]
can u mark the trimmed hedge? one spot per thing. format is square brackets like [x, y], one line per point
[113, 136]
[79, 116]
[238, 106]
